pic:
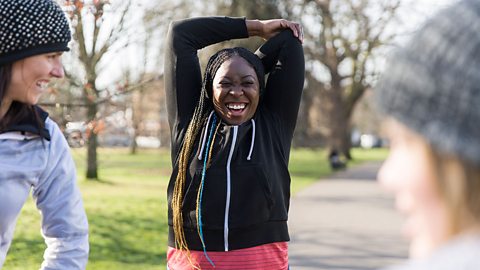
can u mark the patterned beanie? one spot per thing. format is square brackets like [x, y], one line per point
[432, 85]
[31, 27]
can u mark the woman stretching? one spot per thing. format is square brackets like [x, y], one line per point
[229, 193]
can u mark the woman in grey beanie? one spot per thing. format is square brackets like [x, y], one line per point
[34, 155]
[431, 95]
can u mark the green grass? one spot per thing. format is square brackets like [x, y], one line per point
[126, 211]
[127, 207]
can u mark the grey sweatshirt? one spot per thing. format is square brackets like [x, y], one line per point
[461, 253]
[46, 168]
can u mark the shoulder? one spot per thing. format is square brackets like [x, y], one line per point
[57, 139]
[53, 128]
[459, 254]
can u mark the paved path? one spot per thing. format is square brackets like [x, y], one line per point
[345, 222]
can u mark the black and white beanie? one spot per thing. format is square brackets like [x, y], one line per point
[432, 85]
[31, 27]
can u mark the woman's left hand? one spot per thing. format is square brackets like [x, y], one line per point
[269, 28]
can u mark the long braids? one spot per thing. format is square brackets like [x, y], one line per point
[199, 118]
[179, 188]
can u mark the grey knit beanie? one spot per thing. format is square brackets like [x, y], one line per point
[432, 85]
[31, 27]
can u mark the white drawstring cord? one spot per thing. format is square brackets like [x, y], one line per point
[204, 137]
[253, 140]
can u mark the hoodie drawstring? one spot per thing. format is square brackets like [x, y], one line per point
[204, 137]
[210, 135]
[204, 140]
[253, 140]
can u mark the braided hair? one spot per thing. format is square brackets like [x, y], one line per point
[199, 118]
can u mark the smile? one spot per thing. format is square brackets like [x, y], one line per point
[42, 84]
[237, 107]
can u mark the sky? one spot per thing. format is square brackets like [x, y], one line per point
[425, 9]
[411, 22]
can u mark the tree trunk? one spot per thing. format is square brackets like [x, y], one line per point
[344, 139]
[135, 124]
[137, 116]
[92, 144]
[302, 130]
[337, 121]
[133, 145]
[339, 132]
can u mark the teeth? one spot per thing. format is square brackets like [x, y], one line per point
[42, 85]
[236, 106]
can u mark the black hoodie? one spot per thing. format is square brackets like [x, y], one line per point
[247, 188]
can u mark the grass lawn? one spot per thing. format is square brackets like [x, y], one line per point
[127, 207]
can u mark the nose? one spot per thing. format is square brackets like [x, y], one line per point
[57, 70]
[236, 91]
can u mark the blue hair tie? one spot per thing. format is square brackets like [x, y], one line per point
[204, 169]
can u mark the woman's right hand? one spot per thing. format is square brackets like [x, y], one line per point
[269, 28]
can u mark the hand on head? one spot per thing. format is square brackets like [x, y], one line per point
[269, 28]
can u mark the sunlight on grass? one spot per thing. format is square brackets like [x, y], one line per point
[127, 208]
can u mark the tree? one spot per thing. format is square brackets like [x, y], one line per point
[138, 99]
[341, 45]
[149, 111]
[94, 39]
[260, 9]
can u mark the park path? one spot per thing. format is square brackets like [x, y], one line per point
[345, 222]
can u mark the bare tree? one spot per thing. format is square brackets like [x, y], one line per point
[138, 99]
[341, 45]
[94, 39]
[260, 9]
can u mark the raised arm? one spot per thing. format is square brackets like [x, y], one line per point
[182, 69]
[282, 57]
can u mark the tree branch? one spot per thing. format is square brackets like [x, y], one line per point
[113, 36]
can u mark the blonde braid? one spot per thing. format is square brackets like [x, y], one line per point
[178, 191]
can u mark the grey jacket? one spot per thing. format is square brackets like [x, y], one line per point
[46, 168]
[459, 254]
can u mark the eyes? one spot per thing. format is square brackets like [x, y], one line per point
[54, 55]
[228, 84]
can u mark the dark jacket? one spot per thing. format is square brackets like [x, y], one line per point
[247, 188]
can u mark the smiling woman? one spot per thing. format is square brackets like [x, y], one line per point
[236, 89]
[33, 152]
[30, 78]
[226, 211]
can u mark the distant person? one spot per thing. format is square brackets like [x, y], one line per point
[34, 155]
[229, 193]
[336, 163]
[431, 93]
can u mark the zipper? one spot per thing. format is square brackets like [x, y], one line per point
[227, 204]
